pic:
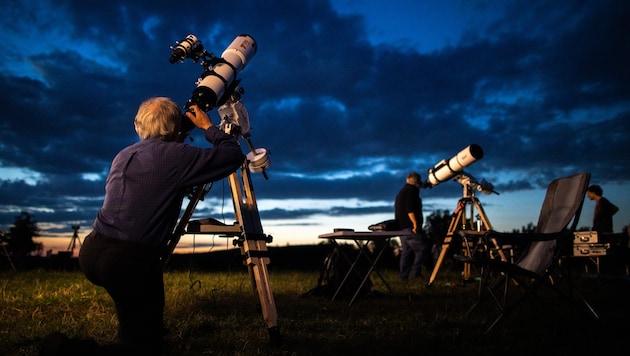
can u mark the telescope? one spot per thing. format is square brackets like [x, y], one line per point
[462, 218]
[447, 169]
[218, 80]
[218, 87]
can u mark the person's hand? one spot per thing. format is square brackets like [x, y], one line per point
[199, 117]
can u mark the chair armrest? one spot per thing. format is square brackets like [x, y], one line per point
[504, 238]
[514, 238]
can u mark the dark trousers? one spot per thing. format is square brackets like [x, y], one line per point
[132, 275]
[412, 255]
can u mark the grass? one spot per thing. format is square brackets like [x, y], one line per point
[215, 313]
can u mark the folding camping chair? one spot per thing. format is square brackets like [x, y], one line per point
[539, 264]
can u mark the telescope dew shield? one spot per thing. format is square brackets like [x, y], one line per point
[446, 170]
[211, 87]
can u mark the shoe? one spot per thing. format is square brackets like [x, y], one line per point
[52, 344]
[57, 344]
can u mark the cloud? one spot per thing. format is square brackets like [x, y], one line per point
[542, 87]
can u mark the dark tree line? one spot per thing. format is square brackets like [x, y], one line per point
[18, 241]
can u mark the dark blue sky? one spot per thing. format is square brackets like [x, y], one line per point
[348, 96]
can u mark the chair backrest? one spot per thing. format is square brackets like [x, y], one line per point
[562, 205]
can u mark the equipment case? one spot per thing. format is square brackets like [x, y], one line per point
[586, 244]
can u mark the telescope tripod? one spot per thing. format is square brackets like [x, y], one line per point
[74, 239]
[251, 239]
[6, 252]
[461, 221]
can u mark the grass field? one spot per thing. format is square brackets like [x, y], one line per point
[215, 313]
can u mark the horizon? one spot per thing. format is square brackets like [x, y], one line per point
[201, 243]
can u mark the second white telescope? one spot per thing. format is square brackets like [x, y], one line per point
[447, 169]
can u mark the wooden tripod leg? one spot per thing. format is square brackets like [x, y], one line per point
[436, 268]
[447, 242]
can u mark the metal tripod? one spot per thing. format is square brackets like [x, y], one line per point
[74, 239]
[251, 239]
[461, 221]
[3, 243]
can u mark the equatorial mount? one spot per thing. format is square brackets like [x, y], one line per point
[235, 121]
[471, 185]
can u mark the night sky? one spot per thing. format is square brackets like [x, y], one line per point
[347, 96]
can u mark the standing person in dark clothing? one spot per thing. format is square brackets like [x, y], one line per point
[408, 214]
[144, 191]
[604, 210]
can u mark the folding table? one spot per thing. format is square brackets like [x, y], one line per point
[362, 239]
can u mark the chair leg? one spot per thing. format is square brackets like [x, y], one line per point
[566, 276]
[483, 285]
[500, 302]
[494, 323]
[504, 303]
[588, 306]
